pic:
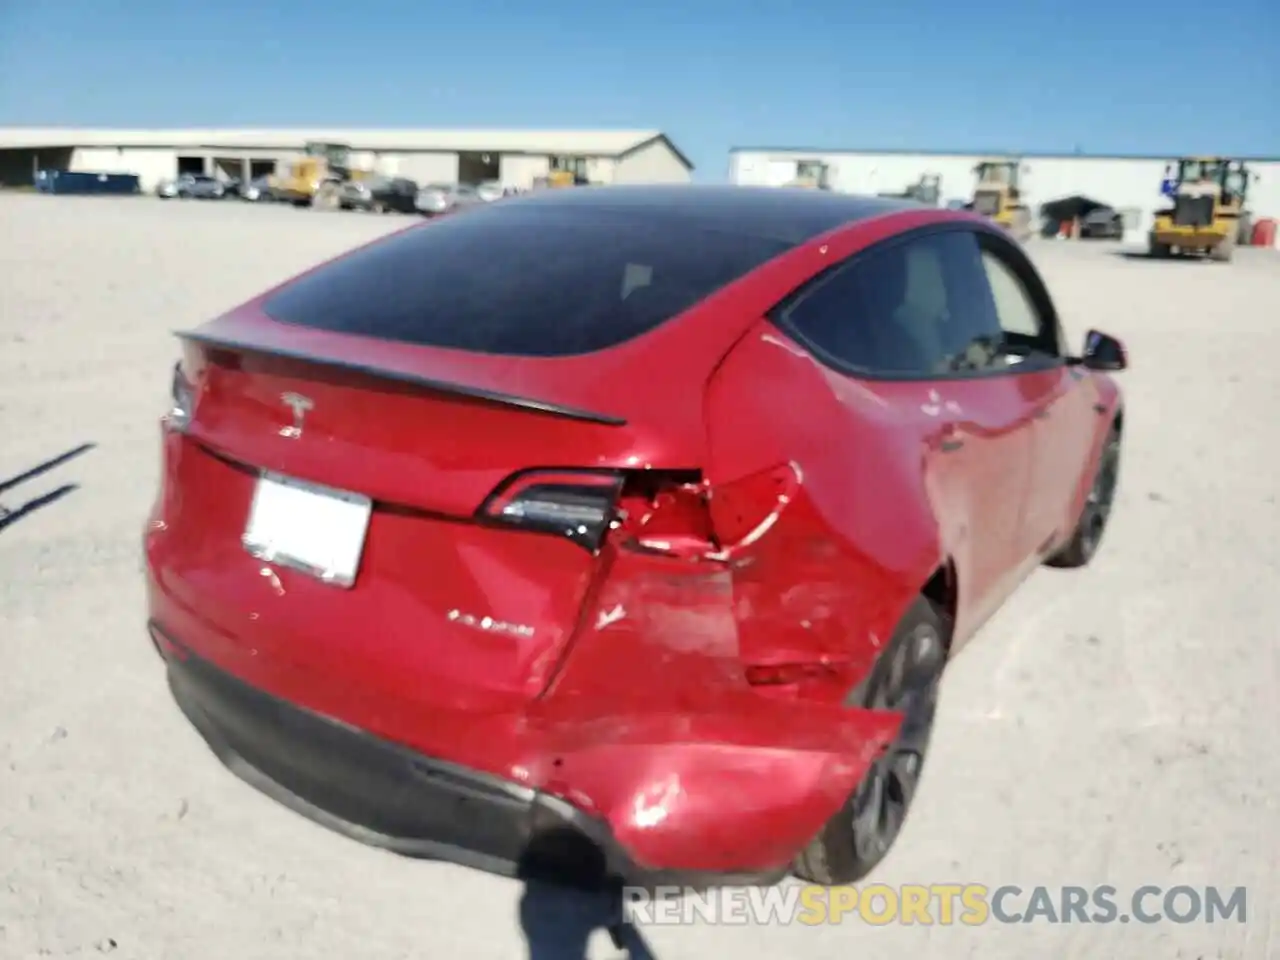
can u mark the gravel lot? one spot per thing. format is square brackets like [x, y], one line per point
[1113, 726]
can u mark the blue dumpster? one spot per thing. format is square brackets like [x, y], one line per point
[87, 182]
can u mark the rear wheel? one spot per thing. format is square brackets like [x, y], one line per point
[906, 678]
[327, 197]
[1225, 249]
[1244, 230]
[1087, 535]
[1022, 224]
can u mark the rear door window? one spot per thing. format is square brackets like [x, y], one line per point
[1025, 312]
[522, 281]
[1014, 306]
[913, 308]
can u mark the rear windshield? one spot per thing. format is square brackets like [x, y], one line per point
[522, 281]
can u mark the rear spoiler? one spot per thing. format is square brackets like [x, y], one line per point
[439, 386]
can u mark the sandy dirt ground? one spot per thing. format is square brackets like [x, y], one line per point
[1113, 726]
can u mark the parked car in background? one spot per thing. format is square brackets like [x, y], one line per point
[257, 190]
[1104, 223]
[491, 190]
[379, 195]
[192, 186]
[439, 198]
[202, 187]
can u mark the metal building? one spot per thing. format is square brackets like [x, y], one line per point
[1129, 184]
[514, 157]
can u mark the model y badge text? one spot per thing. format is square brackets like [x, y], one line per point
[299, 405]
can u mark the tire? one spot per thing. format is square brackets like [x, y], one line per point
[326, 197]
[1244, 231]
[1157, 250]
[1091, 525]
[906, 677]
[1225, 250]
[1021, 225]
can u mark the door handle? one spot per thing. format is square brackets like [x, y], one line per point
[1042, 414]
[950, 446]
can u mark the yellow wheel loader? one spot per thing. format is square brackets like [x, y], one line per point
[560, 179]
[925, 190]
[811, 175]
[1209, 214]
[998, 196]
[315, 179]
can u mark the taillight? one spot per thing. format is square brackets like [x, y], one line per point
[579, 506]
[183, 400]
[666, 512]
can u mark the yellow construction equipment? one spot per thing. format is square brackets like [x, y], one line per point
[925, 190]
[558, 179]
[1208, 215]
[998, 196]
[812, 175]
[315, 179]
[565, 178]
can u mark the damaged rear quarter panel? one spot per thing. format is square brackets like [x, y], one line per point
[856, 540]
[651, 726]
[825, 536]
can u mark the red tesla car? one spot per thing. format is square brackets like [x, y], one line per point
[620, 532]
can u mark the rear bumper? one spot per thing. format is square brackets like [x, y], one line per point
[386, 795]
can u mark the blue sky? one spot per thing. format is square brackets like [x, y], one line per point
[1103, 77]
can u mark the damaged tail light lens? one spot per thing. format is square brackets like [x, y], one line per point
[183, 400]
[578, 506]
[654, 511]
[667, 512]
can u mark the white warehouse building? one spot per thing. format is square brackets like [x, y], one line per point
[516, 158]
[1129, 184]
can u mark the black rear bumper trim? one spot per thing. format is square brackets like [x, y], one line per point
[386, 795]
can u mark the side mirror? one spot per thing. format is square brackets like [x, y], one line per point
[1102, 352]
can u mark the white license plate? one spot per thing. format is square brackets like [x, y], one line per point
[316, 530]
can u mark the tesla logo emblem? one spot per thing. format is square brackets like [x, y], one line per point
[299, 405]
[936, 405]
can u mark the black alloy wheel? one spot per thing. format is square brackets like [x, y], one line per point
[905, 679]
[1087, 536]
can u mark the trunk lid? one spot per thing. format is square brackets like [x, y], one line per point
[402, 439]
[383, 472]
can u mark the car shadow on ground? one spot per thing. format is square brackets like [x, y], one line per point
[11, 515]
[1146, 255]
[559, 921]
